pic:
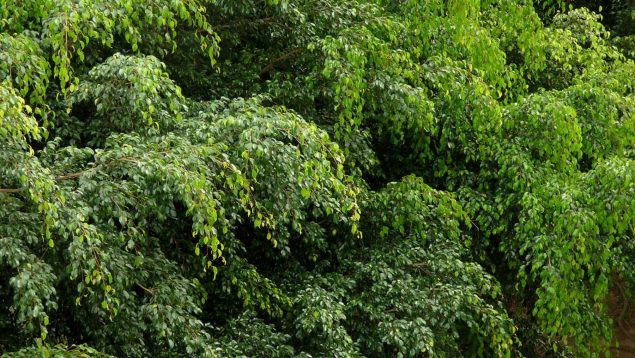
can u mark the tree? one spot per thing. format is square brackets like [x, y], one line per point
[314, 178]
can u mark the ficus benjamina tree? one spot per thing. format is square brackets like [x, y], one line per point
[313, 178]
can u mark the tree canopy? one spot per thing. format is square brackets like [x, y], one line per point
[312, 178]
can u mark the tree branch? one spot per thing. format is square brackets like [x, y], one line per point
[77, 174]
[10, 190]
[59, 178]
[419, 265]
[277, 60]
[72, 175]
[148, 290]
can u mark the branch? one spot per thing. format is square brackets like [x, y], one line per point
[10, 190]
[77, 174]
[60, 178]
[419, 265]
[241, 23]
[624, 349]
[620, 319]
[277, 60]
[150, 291]
[72, 175]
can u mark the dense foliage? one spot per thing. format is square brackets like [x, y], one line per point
[314, 178]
